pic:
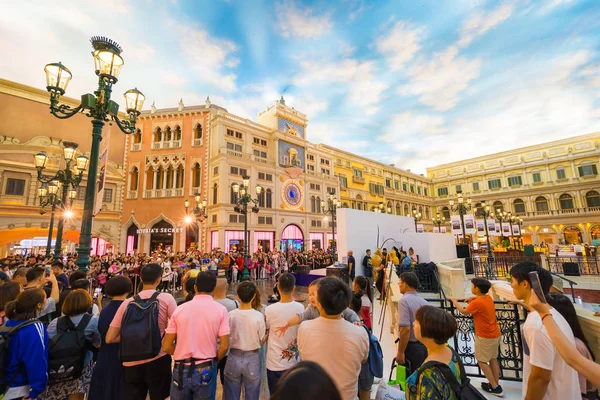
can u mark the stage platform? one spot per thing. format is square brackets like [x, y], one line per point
[306, 279]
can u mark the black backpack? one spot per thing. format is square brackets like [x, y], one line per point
[463, 390]
[6, 334]
[67, 350]
[140, 334]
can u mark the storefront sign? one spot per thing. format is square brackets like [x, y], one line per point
[160, 230]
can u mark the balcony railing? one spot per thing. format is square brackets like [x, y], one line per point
[159, 193]
[358, 179]
[148, 194]
[132, 194]
[197, 142]
[136, 147]
[176, 143]
[157, 145]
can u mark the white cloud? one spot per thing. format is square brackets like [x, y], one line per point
[479, 23]
[549, 5]
[293, 21]
[400, 44]
[356, 79]
[439, 81]
[418, 125]
[171, 78]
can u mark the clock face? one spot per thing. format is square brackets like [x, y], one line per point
[292, 194]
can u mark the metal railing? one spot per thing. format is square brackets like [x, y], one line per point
[496, 267]
[573, 266]
[510, 357]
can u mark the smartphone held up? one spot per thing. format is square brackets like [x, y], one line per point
[537, 286]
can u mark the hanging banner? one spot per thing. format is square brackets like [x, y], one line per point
[455, 222]
[469, 224]
[492, 227]
[102, 171]
[506, 229]
[443, 229]
[419, 228]
[436, 229]
[516, 230]
[480, 227]
[498, 230]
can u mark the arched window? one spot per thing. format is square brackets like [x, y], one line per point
[313, 206]
[170, 176]
[592, 199]
[160, 178]
[198, 131]
[133, 179]
[269, 199]
[420, 210]
[541, 204]
[167, 135]
[446, 213]
[150, 178]
[137, 136]
[261, 199]
[406, 212]
[389, 207]
[177, 133]
[318, 204]
[233, 195]
[158, 135]
[498, 207]
[519, 206]
[345, 205]
[196, 175]
[359, 205]
[398, 209]
[566, 202]
[180, 176]
[215, 192]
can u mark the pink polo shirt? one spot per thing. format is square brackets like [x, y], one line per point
[166, 308]
[198, 324]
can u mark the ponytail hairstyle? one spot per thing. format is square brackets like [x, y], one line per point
[26, 305]
[364, 287]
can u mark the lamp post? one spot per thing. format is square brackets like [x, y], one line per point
[98, 106]
[518, 221]
[417, 217]
[381, 208]
[462, 209]
[486, 213]
[58, 187]
[439, 221]
[501, 216]
[332, 205]
[241, 206]
[197, 214]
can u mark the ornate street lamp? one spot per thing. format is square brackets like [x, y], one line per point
[98, 106]
[439, 221]
[519, 222]
[486, 212]
[462, 209]
[241, 206]
[332, 205]
[417, 217]
[381, 208]
[197, 214]
[501, 216]
[57, 188]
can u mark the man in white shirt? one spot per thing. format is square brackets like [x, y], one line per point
[248, 334]
[282, 352]
[332, 342]
[546, 375]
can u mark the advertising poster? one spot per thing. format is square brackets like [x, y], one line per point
[480, 227]
[443, 229]
[419, 228]
[455, 222]
[516, 230]
[498, 230]
[506, 228]
[436, 229]
[469, 223]
[492, 227]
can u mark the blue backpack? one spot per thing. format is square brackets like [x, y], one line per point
[375, 360]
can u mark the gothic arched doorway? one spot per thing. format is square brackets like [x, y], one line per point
[161, 236]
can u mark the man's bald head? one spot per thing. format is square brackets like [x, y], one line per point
[222, 286]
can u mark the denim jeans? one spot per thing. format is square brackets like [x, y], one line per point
[242, 368]
[193, 388]
[273, 378]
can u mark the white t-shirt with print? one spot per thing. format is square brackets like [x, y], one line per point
[282, 352]
[539, 351]
[247, 329]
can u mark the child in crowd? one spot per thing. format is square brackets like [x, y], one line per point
[361, 288]
[248, 334]
[487, 333]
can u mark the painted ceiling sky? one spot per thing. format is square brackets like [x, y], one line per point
[415, 83]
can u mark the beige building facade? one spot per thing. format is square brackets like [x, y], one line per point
[554, 187]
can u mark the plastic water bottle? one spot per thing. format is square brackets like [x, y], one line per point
[578, 300]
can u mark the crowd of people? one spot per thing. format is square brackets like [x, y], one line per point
[57, 340]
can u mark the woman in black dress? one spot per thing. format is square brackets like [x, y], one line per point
[106, 381]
